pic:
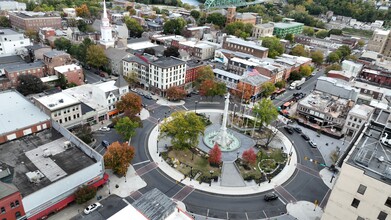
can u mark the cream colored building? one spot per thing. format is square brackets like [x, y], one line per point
[363, 186]
[357, 116]
[263, 30]
[378, 41]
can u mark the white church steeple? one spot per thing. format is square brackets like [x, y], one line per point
[106, 36]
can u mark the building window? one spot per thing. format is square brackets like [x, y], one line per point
[382, 216]
[16, 203]
[12, 205]
[2, 210]
[361, 189]
[355, 203]
[360, 218]
[17, 214]
[388, 202]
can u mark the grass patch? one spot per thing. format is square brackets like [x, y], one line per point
[277, 154]
[358, 32]
[182, 161]
[250, 172]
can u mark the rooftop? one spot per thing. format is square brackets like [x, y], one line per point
[7, 189]
[25, 66]
[167, 62]
[66, 68]
[254, 78]
[8, 31]
[265, 25]
[283, 25]
[227, 74]
[58, 101]
[11, 59]
[323, 102]
[362, 110]
[84, 94]
[54, 53]
[32, 170]
[154, 205]
[371, 151]
[30, 14]
[17, 106]
[245, 43]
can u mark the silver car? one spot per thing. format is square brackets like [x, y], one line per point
[92, 208]
[312, 144]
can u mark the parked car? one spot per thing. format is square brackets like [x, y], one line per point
[133, 89]
[289, 129]
[305, 137]
[312, 144]
[195, 92]
[297, 129]
[270, 197]
[110, 125]
[298, 87]
[92, 208]
[104, 129]
[147, 96]
[105, 143]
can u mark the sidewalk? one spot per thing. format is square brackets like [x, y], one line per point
[217, 189]
[304, 210]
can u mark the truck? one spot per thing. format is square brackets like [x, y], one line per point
[297, 84]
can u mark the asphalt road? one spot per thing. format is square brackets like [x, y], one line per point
[91, 77]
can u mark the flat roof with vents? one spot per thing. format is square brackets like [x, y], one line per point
[58, 101]
[17, 112]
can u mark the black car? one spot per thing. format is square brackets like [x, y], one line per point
[111, 125]
[105, 143]
[298, 87]
[289, 129]
[270, 197]
[297, 129]
[305, 137]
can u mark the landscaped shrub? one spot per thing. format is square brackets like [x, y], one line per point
[84, 193]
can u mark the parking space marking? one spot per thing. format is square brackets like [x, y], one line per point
[282, 201]
[264, 213]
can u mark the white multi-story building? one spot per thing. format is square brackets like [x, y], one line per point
[357, 116]
[106, 38]
[71, 12]
[11, 42]
[61, 107]
[363, 187]
[12, 6]
[158, 73]
[263, 30]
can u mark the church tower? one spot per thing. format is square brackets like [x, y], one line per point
[106, 35]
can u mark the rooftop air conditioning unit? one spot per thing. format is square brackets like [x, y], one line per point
[47, 153]
[67, 145]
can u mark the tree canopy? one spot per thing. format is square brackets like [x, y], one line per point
[322, 34]
[274, 45]
[62, 44]
[268, 88]
[195, 14]
[239, 29]
[184, 129]
[265, 112]
[171, 51]
[84, 194]
[317, 57]
[210, 88]
[30, 84]
[215, 155]
[305, 70]
[4, 22]
[96, 56]
[249, 156]
[130, 104]
[174, 26]
[175, 93]
[83, 11]
[216, 19]
[118, 157]
[299, 50]
[126, 127]
[243, 90]
[134, 27]
[204, 73]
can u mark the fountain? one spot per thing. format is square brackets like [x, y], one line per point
[225, 140]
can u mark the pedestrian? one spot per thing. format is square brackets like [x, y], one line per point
[270, 180]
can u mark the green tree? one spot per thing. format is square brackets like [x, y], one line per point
[183, 128]
[239, 29]
[361, 43]
[299, 50]
[150, 51]
[171, 51]
[4, 22]
[84, 133]
[309, 31]
[96, 56]
[126, 127]
[33, 35]
[333, 57]
[62, 44]
[81, 51]
[84, 194]
[195, 14]
[334, 66]
[335, 32]
[274, 45]
[290, 37]
[305, 70]
[280, 84]
[118, 157]
[29, 84]
[134, 27]
[317, 57]
[174, 26]
[268, 88]
[216, 19]
[322, 34]
[82, 25]
[344, 51]
[265, 112]
[295, 75]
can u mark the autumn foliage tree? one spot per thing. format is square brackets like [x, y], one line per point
[249, 156]
[242, 91]
[212, 88]
[84, 193]
[175, 93]
[130, 104]
[118, 157]
[83, 11]
[215, 155]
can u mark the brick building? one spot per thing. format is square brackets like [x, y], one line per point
[55, 58]
[10, 79]
[45, 33]
[191, 72]
[248, 47]
[72, 73]
[378, 76]
[11, 206]
[28, 20]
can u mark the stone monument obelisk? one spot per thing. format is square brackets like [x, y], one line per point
[222, 138]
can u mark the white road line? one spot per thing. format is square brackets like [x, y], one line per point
[142, 162]
[207, 213]
[126, 201]
[185, 107]
[264, 213]
[246, 215]
[282, 201]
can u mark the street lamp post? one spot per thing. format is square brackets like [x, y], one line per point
[157, 146]
[255, 122]
[195, 110]
[210, 182]
[108, 186]
[125, 177]
[290, 153]
[233, 116]
[191, 173]
[237, 155]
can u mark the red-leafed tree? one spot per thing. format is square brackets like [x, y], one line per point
[249, 156]
[243, 91]
[206, 88]
[215, 155]
[175, 93]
